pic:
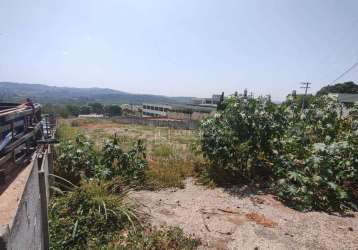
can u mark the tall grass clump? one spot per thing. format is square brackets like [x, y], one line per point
[89, 216]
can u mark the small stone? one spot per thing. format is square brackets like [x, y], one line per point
[289, 234]
[350, 228]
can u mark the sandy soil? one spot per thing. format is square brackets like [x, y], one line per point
[241, 219]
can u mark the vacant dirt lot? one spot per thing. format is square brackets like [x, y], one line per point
[242, 219]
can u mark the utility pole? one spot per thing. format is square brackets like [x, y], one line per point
[306, 87]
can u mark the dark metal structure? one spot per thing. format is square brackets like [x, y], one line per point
[21, 126]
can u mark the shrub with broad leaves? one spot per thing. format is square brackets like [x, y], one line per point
[311, 155]
[79, 160]
[130, 165]
[75, 159]
[240, 140]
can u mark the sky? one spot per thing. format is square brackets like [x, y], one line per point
[179, 47]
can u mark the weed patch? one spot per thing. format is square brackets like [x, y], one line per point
[153, 238]
[165, 174]
[89, 216]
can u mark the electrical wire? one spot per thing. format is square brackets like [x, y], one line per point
[344, 73]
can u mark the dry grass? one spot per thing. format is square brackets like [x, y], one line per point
[169, 153]
[165, 174]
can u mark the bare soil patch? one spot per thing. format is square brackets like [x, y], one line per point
[231, 220]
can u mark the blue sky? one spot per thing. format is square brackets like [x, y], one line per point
[179, 47]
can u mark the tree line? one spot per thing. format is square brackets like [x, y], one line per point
[68, 110]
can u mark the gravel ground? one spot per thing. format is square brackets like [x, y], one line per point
[241, 219]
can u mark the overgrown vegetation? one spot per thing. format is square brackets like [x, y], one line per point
[76, 159]
[154, 238]
[92, 210]
[129, 165]
[98, 215]
[89, 216]
[168, 151]
[168, 173]
[310, 157]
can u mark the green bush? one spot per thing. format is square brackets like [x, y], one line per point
[239, 140]
[79, 160]
[310, 155]
[317, 165]
[326, 180]
[131, 165]
[75, 159]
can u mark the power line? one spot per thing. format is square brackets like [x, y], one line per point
[344, 73]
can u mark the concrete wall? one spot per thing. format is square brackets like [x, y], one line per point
[27, 228]
[195, 116]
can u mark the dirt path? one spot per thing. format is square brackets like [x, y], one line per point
[246, 221]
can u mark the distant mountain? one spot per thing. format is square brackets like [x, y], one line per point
[17, 92]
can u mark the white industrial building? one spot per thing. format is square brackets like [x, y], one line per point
[180, 112]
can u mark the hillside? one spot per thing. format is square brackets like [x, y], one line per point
[15, 92]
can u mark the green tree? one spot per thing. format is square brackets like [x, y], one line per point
[346, 87]
[113, 110]
[96, 107]
[85, 110]
[73, 109]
